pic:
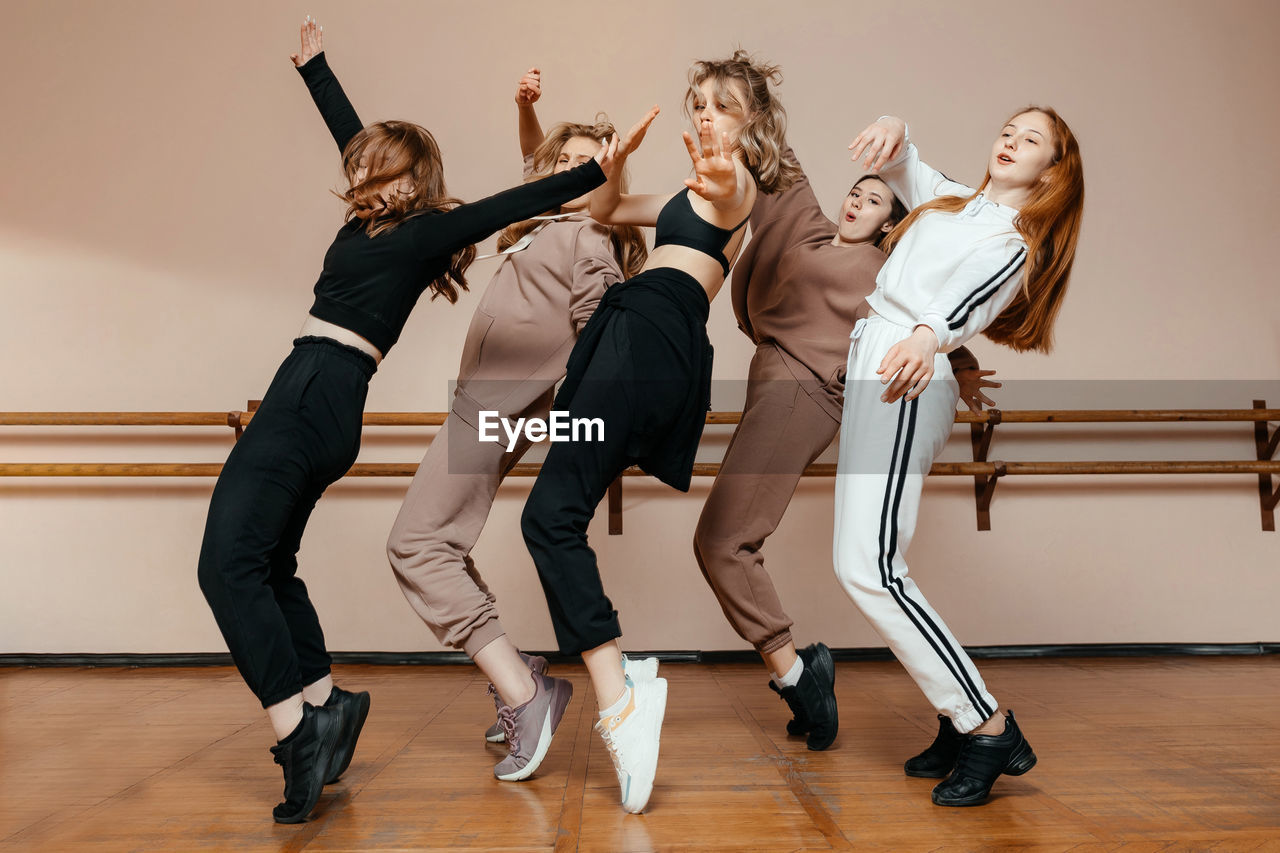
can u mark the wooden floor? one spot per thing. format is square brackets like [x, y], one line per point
[1136, 754]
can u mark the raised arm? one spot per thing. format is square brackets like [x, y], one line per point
[326, 91]
[886, 150]
[528, 91]
[609, 205]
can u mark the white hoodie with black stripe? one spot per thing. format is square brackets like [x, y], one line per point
[952, 272]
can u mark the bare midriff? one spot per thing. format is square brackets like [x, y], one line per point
[315, 327]
[705, 269]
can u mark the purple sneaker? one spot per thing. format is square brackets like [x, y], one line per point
[530, 727]
[536, 663]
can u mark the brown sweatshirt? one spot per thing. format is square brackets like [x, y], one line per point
[793, 288]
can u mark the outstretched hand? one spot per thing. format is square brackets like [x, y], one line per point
[715, 172]
[631, 140]
[881, 141]
[530, 87]
[971, 381]
[312, 42]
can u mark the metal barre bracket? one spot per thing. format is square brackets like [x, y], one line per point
[1267, 440]
[984, 487]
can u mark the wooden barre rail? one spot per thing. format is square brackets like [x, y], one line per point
[700, 469]
[1024, 416]
[982, 425]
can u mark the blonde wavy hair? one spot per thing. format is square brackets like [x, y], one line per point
[389, 151]
[627, 240]
[763, 137]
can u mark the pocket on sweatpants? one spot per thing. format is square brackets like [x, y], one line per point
[473, 346]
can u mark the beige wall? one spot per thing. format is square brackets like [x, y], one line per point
[166, 207]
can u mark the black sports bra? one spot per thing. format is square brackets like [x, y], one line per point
[679, 225]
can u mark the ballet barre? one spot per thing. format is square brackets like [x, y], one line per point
[986, 472]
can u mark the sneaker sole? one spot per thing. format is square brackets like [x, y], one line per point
[640, 796]
[928, 774]
[555, 713]
[1018, 765]
[1021, 763]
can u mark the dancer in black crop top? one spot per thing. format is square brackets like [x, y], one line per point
[403, 235]
[678, 224]
[642, 365]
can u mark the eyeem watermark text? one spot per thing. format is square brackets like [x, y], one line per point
[560, 427]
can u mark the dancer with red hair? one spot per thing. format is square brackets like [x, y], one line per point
[993, 260]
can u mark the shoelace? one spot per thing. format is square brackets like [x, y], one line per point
[507, 720]
[497, 700]
[607, 735]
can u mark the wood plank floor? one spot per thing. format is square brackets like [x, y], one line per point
[1135, 754]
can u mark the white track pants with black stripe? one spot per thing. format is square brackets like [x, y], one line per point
[885, 452]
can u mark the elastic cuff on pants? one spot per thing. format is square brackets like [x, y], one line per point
[587, 644]
[276, 698]
[775, 642]
[309, 678]
[968, 721]
[482, 635]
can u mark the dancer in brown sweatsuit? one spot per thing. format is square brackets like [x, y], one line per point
[798, 289]
[555, 270]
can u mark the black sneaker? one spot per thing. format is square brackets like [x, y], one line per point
[813, 700]
[936, 761]
[355, 708]
[982, 758]
[306, 755]
[799, 724]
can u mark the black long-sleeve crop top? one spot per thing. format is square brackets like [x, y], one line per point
[369, 285]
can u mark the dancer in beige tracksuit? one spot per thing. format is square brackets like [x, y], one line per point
[554, 272]
[798, 289]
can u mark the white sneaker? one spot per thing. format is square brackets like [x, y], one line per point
[632, 737]
[640, 669]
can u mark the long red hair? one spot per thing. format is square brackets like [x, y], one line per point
[1049, 223]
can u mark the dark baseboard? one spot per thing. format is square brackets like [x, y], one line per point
[1068, 650]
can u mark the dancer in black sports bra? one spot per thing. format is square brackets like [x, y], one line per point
[642, 366]
[679, 225]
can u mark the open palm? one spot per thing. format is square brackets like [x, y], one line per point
[715, 173]
[312, 42]
[631, 140]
